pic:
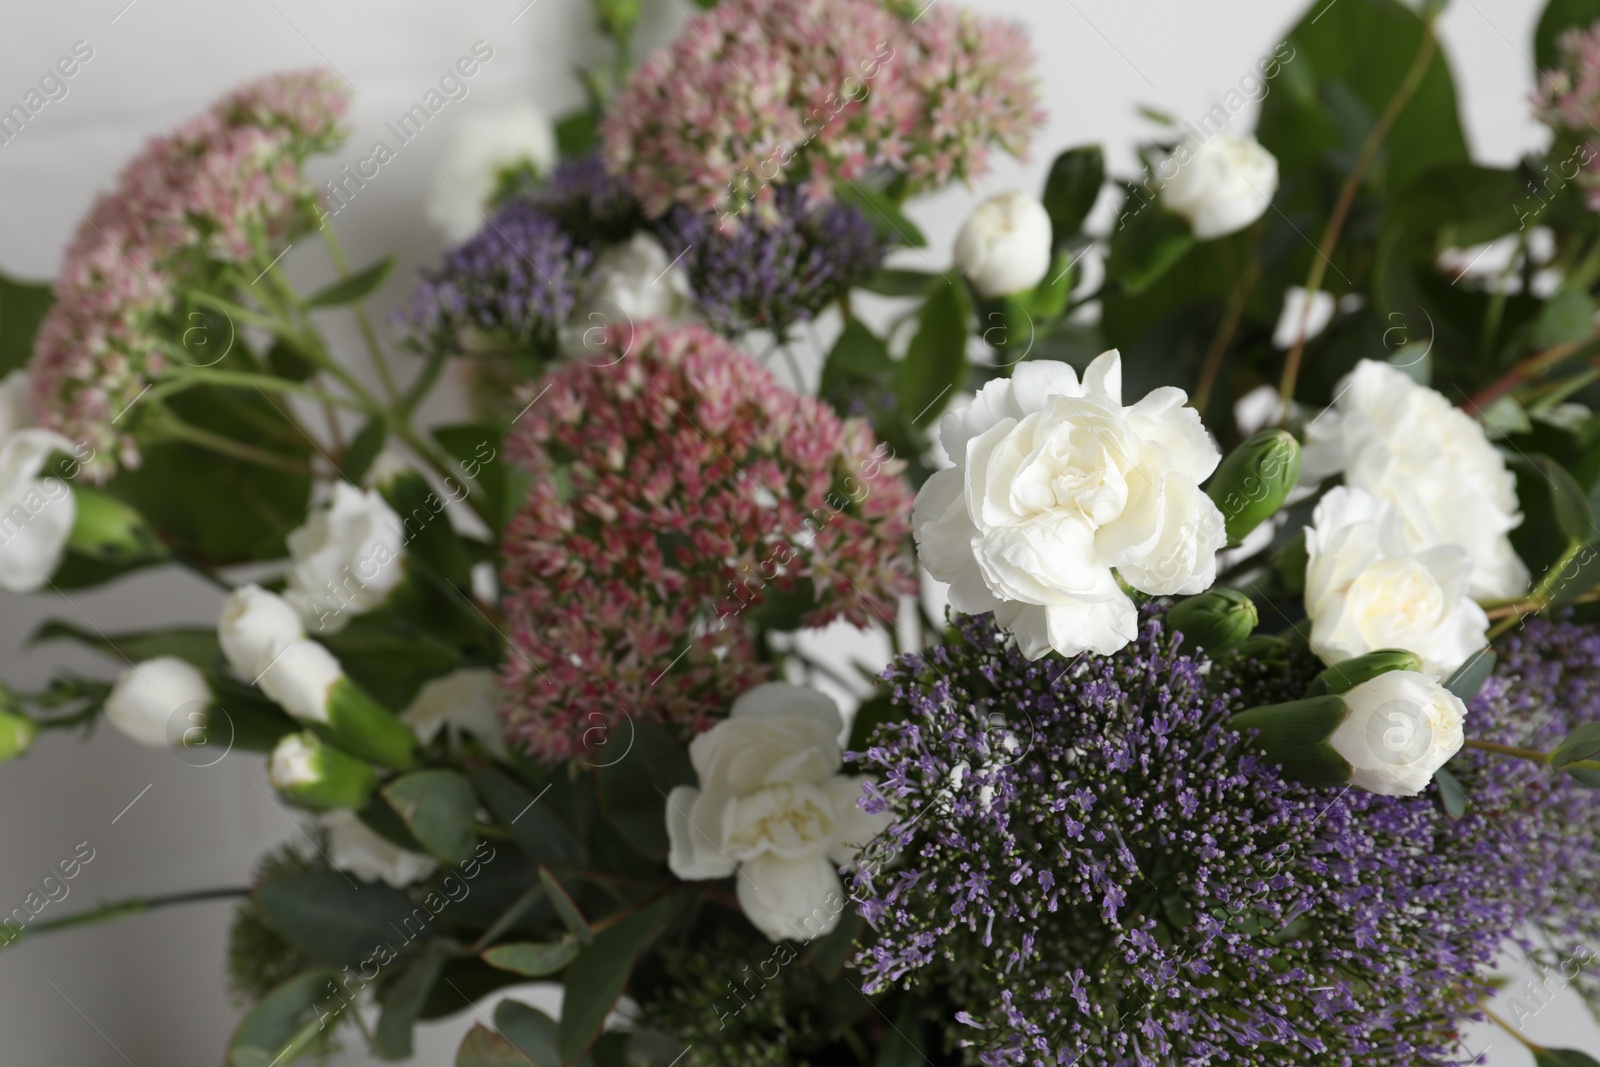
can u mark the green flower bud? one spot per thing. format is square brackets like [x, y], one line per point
[1253, 481]
[369, 729]
[1345, 676]
[314, 774]
[1216, 620]
[17, 733]
[110, 531]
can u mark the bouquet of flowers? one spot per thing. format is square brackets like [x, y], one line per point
[1237, 547]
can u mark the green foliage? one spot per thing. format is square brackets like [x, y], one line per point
[22, 308]
[260, 958]
[437, 806]
[936, 361]
[354, 288]
[1558, 17]
[1072, 188]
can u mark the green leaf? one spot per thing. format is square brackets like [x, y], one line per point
[430, 536]
[538, 831]
[355, 287]
[437, 806]
[1451, 793]
[576, 134]
[532, 959]
[1567, 316]
[598, 976]
[482, 1047]
[1560, 15]
[22, 308]
[196, 646]
[336, 920]
[364, 448]
[1470, 676]
[286, 1022]
[475, 446]
[936, 361]
[1161, 257]
[898, 281]
[1459, 204]
[562, 902]
[1563, 1057]
[883, 213]
[1573, 517]
[1587, 775]
[1072, 188]
[634, 788]
[403, 999]
[1581, 744]
[531, 1031]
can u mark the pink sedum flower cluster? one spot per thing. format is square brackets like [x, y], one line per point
[1568, 101]
[225, 188]
[761, 93]
[673, 493]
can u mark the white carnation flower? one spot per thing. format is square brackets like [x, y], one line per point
[1403, 726]
[148, 694]
[355, 847]
[772, 805]
[346, 559]
[1056, 483]
[1004, 246]
[1367, 589]
[36, 513]
[1408, 445]
[1222, 184]
[482, 147]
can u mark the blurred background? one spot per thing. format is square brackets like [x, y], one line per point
[151, 989]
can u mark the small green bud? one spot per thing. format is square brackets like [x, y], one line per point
[1216, 620]
[314, 774]
[108, 530]
[1254, 480]
[17, 733]
[1345, 676]
[617, 18]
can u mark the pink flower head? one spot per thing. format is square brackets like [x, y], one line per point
[225, 188]
[674, 492]
[761, 93]
[1568, 101]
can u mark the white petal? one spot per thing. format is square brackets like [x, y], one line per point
[693, 855]
[795, 900]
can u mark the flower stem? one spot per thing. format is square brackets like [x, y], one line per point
[1532, 755]
[132, 906]
[1508, 1028]
[1229, 326]
[1527, 369]
[1347, 195]
[368, 335]
[1542, 593]
[179, 430]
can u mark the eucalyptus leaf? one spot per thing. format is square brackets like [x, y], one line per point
[531, 1031]
[1563, 1057]
[404, 998]
[337, 920]
[1468, 679]
[482, 1047]
[635, 787]
[1583, 743]
[599, 975]
[561, 900]
[1451, 793]
[437, 806]
[354, 288]
[286, 1022]
[532, 959]
[538, 831]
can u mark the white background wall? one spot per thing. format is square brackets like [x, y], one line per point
[149, 990]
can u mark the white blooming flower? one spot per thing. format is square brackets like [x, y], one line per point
[1408, 445]
[346, 559]
[356, 848]
[300, 680]
[1004, 246]
[466, 699]
[772, 804]
[638, 279]
[36, 514]
[1403, 726]
[148, 694]
[482, 147]
[1304, 316]
[1056, 483]
[1221, 184]
[1367, 589]
[255, 626]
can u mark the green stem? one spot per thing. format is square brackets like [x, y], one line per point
[179, 430]
[180, 380]
[1229, 326]
[1347, 195]
[368, 335]
[1540, 598]
[1508, 1028]
[1529, 754]
[133, 906]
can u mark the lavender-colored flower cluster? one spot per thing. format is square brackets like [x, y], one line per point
[1097, 870]
[513, 284]
[774, 276]
[593, 207]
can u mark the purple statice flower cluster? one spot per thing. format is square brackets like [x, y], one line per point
[1095, 869]
[513, 284]
[774, 276]
[592, 206]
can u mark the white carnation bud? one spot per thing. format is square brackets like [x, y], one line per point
[255, 626]
[301, 679]
[1004, 246]
[149, 694]
[1221, 184]
[1403, 726]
